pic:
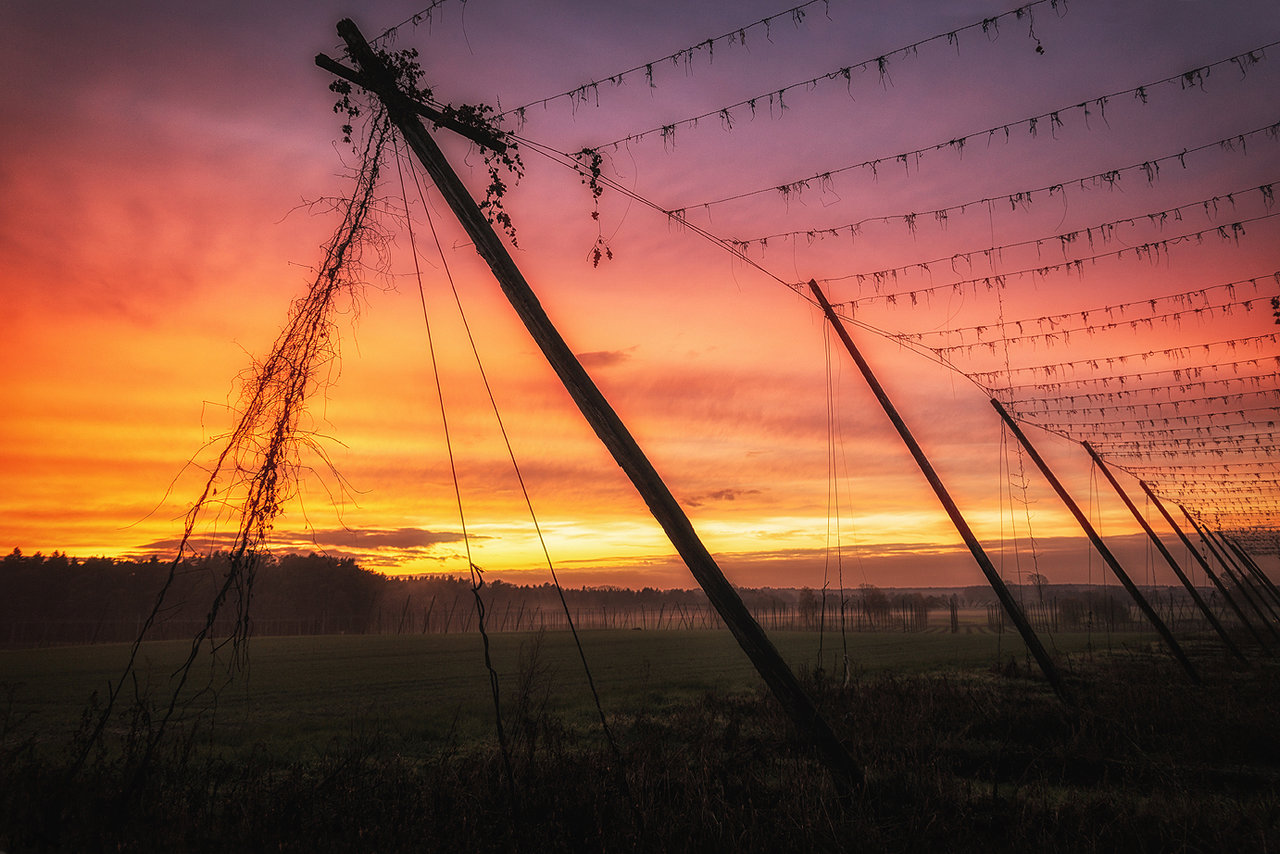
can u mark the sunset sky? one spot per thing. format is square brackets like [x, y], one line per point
[166, 171]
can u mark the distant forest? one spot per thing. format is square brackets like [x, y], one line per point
[57, 599]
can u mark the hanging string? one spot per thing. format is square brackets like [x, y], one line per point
[1063, 336]
[1153, 420]
[1017, 202]
[1023, 483]
[524, 491]
[1224, 469]
[416, 19]
[1231, 232]
[1179, 374]
[1242, 445]
[983, 378]
[880, 63]
[1211, 432]
[1243, 489]
[836, 447]
[831, 485]
[1146, 251]
[1107, 601]
[588, 92]
[1187, 301]
[1239, 483]
[477, 577]
[1045, 400]
[1153, 250]
[1046, 403]
[1238, 444]
[842, 471]
[1003, 489]
[1038, 407]
[833, 503]
[1193, 79]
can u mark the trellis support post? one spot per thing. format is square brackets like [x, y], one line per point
[1204, 564]
[1083, 521]
[1164, 552]
[1253, 565]
[775, 672]
[1242, 584]
[1010, 604]
[1244, 570]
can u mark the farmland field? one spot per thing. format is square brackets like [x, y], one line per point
[383, 742]
[300, 692]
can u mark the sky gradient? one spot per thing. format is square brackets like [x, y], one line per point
[165, 177]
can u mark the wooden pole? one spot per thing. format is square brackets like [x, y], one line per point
[1247, 567]
[1204, 564]
[1246, 589]
[1010, 604]
[1098, 544]
[1252, 564]
[602, 418]
[1164, 552]
[1242, 569]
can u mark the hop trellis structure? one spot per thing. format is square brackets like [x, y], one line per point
[1097, 252]
[978, 278]
[1135, 327]
[1136, 323]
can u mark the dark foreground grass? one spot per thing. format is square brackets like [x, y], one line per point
[301, 692]
[964, 758]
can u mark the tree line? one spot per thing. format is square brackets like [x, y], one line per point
[59, 599]
[63, 599]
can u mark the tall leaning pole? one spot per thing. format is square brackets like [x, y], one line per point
[1029, 636]
[1204, 564]
[405, 114]
[1165, 553]
[1110, 559]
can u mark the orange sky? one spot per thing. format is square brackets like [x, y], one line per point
[153, 236]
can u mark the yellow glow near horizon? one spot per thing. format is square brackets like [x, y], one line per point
[152, 243]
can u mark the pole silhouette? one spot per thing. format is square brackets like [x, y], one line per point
[1204, 564]
[1164, 552]
[1010, 604]
[405, 114]
[1143, 605]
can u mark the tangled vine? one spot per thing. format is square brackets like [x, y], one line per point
[407, 74]
[590, 164]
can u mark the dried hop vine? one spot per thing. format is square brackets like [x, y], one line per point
[407, 72]
[590, 163]
[481, 117]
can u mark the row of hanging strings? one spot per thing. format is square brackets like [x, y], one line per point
[737, 248]
[932, 353]
[406, 163]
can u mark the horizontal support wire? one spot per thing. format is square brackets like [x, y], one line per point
[1016, 201]
[1193, 78]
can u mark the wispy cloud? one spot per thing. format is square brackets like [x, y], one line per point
[384, 538]
[353, 541]
[730, 494]
[604, 358]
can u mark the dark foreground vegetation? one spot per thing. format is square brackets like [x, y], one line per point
[980, 759]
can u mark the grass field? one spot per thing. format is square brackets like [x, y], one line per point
[301, 692]
[384, 743]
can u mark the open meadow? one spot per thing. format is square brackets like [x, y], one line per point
[299, 693]
[388, 743]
